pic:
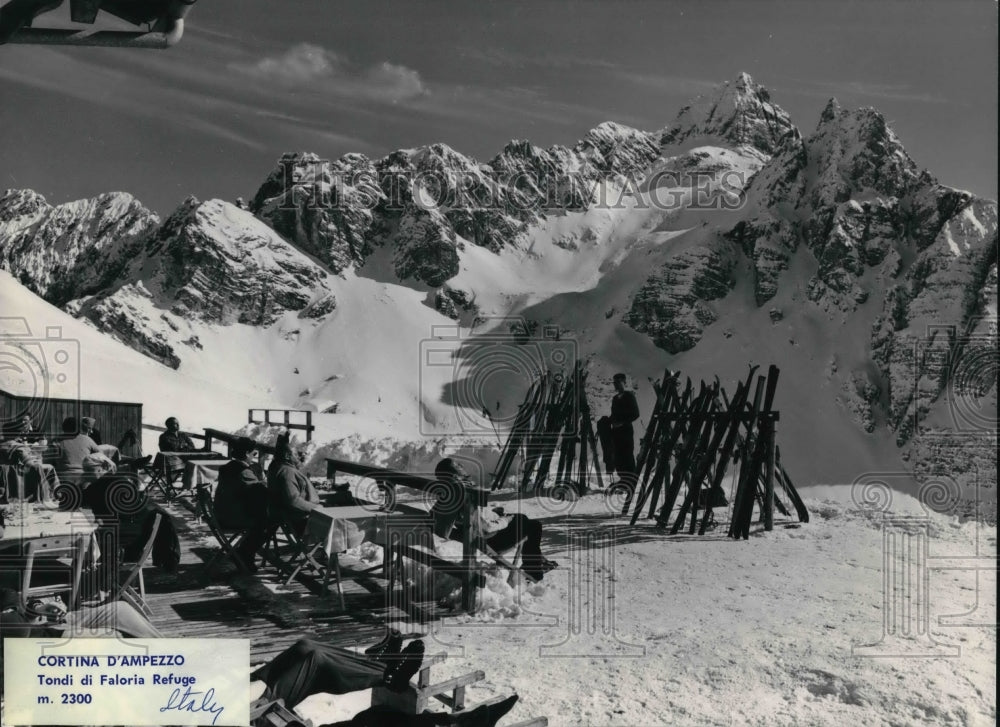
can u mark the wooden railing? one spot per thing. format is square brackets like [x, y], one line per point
[284, 418]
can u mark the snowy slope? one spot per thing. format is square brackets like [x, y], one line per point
[704, 631]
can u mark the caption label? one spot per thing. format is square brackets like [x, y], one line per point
[144, 682]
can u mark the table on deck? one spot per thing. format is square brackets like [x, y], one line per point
[170, 465]
[336, 529]
[31, 521]
[198, 472]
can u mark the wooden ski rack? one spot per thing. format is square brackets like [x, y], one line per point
[554, 416]
[693, 438]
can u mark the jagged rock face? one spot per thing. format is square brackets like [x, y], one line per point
[876, 226]
[211, 263]
[671, 305]
[427, 251]
[938, 304]
[615, 150]
[126, 317]
[548, 180]
[739, 113]
[72, 249]
[421, 200]
[326, 208]
[218, 264]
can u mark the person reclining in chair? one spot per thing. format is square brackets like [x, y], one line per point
[447, 513]
[241, 498]
[309, 667]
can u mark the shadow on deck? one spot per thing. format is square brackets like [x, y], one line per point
[196, 601]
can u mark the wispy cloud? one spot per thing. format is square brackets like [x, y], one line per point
[864, 89]
[665, 83]
[504, 58]
[306, 64]
[47, 70]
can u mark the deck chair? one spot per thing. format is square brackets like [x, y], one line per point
[280, 541]
[125, 591]
[60, 556]
[310, 545]
[228, 539]
[160, 477]
[513, 565]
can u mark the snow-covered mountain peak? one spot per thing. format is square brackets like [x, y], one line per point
[72, 248]
[616, 149]
[737, 113]
[16, 203]
[855, 152]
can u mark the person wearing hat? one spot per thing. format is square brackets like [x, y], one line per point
[241, 498]
[624, 411]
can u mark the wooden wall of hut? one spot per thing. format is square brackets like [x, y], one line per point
[114, 418]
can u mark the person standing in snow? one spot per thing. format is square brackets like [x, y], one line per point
[624, 411]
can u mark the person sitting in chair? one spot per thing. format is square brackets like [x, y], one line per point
[447, 513]
[174, 440]
[73, 450]
[241, 498]
[292, 496]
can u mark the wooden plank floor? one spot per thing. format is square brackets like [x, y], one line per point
[198, 601]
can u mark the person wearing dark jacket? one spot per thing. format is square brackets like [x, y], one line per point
[624, 411]
[291, 495]
[241, 500]
[174, 440]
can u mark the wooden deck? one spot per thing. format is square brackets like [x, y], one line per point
[198, 601]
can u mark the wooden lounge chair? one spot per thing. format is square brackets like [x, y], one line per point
[125, 591]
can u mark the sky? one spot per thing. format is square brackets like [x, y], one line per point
[252, 79]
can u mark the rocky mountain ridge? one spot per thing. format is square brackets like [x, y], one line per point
[840, 221]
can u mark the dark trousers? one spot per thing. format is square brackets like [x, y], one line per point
[521, 526]
[389, 717]
[624, 445]
[308, 667]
